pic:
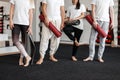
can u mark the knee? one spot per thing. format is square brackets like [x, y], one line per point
[15, 42]
[64, 29]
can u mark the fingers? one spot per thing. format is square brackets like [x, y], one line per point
[46, 22]
[62, 26]
[29, 31]
[111, 27]
[95, 24]
[11, 27]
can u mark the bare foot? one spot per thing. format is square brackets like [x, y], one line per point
[101, 60]
[40, 61]
[74, 58]
[76, 42]
[21, 61]
[52, 58]
[88, 59]
[113, 44]
[28, 58]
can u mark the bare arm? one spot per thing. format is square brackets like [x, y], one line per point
[30, 17]
[44, 12]
[30, 21]
[82, 15]
[11, 16]
[66, 19]
[112, 17]
[93, 12]
[62, 17]
[93, 16]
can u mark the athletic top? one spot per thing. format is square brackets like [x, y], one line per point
[21, 11]
[53, 8]
[102, 9]
[73, 13]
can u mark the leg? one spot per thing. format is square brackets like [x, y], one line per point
[15, 37]
[78, 33]
[68, 31]
[102, 42]
[24, 36]
[46, 34]
[54, 41]
[92, 39]
[54, 44]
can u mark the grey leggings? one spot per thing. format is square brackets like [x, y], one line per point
[105, 26]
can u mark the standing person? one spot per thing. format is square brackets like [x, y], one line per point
[75, 12]
[100, 14]
[53, 11]
[21, 15]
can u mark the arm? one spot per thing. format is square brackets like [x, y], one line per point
[112, 17]
[62, 17]
[11, 16]
[66, 19]
[44, 12]
[93, 16]
[82, 15]
[30, 21]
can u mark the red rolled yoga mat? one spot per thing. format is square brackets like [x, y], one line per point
[98, 29]
[51, 27]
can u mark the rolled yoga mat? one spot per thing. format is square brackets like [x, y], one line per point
[51, 27]
[98, 28]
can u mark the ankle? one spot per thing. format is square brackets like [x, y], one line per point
[52, 58]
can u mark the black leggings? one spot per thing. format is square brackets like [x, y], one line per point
[68, 30]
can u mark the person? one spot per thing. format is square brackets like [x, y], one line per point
[75, 12]
[21, 15]
[101, 16]
[53, 11]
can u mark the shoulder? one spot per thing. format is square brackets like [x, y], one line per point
[94, 1]
[72, 6]
[32, 4]
[44, 1]
[82, 5]
[12, 1]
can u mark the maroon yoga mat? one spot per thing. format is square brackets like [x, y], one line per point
[98, 28]
[51, 27]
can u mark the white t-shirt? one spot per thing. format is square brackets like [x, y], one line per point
[21, 11]
[53, 8]
[73, 13]
[102, 9]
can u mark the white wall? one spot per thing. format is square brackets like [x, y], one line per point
[6, 6]
[36, 21]
[86, 32]
[116, 22]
